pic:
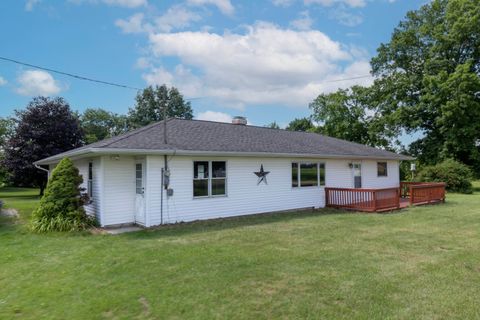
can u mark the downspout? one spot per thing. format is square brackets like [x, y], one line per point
[165, 160]
[43, 169]
[161, 200]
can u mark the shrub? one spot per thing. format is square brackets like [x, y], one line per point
[61, 207]
[456, 175]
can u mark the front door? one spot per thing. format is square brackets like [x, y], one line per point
[140, 193]
[357, 175]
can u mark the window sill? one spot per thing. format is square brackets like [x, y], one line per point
[307, 187]
[210, 197]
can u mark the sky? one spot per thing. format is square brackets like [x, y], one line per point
[265, 60]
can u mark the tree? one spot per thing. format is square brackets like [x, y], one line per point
[273, 125]
[61, 208]
[45, 128]
[99, 124]
[347, 114]
[151, 103]
[300, 124]
[7, 127]
[428, 79]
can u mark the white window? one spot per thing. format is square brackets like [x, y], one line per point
[308, 174]
[209, 178]
[90, 180]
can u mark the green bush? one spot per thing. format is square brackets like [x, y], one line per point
[61, 207]
[456, 175]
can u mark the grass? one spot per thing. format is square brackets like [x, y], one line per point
[420, 263]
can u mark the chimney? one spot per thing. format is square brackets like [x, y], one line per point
[239, 120]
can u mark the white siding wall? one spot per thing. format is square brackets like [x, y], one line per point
[339, 174]
[115, 179]
[244, 196]
[119, 190]
[371, 180]
[93, 208]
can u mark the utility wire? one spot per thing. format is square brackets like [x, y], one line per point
[346, 79]
[130, 87]
[69, 74]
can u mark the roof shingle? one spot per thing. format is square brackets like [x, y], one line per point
[208, 136]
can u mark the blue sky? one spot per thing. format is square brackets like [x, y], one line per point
[265, 60]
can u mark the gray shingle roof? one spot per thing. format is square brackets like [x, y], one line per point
[207, 136]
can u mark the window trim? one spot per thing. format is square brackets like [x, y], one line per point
[299, 180]
[209, 179]
[386, 169]
[90, 180]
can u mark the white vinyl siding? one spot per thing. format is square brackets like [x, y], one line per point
[119, 190]
[94, 206]
[114, 187]
[244, 195]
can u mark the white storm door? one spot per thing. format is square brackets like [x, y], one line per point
[140, 193]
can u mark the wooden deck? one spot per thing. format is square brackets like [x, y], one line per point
[381, 200]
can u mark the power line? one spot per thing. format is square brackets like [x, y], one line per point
[347, 79]
[70, 74]
[130, 87]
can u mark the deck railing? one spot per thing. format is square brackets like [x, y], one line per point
[370, 200]
[425, 192]
[405, 188]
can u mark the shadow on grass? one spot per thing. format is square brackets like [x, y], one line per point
[220, 224]
[24, 197]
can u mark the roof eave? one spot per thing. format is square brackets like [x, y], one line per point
[103, 151]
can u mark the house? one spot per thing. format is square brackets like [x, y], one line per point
[185, 170]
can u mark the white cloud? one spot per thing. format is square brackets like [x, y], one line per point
[126, 3]
[3, 81]
[214, 116]
[264, 65]
[37, 82]
[143, 63]
[346, 18]
[176, 17]
[329, 3]
[282, 3]
[134, 24]
[225, 6]
[30, 4]
[302, 23]
[118, 3]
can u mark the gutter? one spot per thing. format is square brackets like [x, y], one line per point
[40, 168]
[107, 151]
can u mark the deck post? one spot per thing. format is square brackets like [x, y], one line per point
[374, 200]
[399, 194]
[410, 191]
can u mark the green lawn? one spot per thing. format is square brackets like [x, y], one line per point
[420, 263]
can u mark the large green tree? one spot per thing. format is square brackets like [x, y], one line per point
[153, 101]
[301, 124]
[45, 128]
[348, 114]
[99, 124]
[428, 80]
[7, 128]
[427, 84]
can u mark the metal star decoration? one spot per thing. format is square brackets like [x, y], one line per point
[262, 175]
